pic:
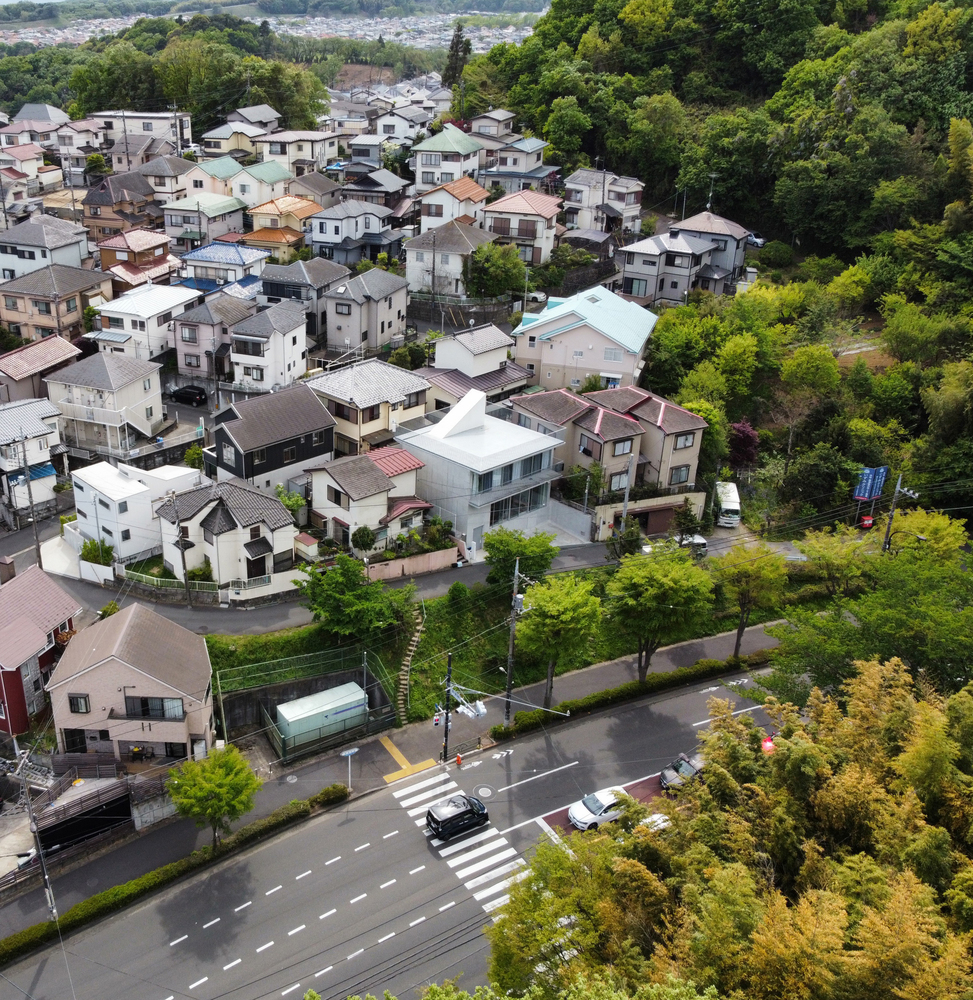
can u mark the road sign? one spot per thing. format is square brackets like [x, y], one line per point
[349, 753]
[866, 479]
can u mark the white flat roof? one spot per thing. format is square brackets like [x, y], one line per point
[105, 478]
[150, 300]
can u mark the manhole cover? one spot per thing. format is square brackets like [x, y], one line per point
[92, 881]
[484, 791]
[292, 779]
[202, 629]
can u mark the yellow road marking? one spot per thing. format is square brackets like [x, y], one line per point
[405, 768]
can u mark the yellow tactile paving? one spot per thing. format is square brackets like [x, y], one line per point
[405, 768]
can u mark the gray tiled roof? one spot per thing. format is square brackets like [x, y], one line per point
[558, 406]
[277, 416]
[358, 476]
[452, 237]
[485, 338]
[120, 187]
[709, 222]
[316, 183]
[317, 272]
[46, 231]
[258, 113]
[55, 279]
[243, 502]
[367, 383]
[25, 417]
[31, 605]
[374, 284]
[165, 166]
[221, 308]
[351, 210]
[104, 371]
[282, 317]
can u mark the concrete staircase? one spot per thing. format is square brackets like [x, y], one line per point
[401, 700]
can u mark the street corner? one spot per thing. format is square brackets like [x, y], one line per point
[405, 769]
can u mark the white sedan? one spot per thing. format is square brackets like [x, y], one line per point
[596, 808]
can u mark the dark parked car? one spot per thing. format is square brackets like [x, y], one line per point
[195, 395]
[682, 770]
[457, 814]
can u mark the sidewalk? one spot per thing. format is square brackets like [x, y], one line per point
[371, 767]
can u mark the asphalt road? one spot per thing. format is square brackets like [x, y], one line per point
[362, 899]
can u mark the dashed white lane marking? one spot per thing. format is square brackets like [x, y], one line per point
[332, 861]
[230, 966]
[290, 989]
[535, 777]
[385, 885]
[480, 865]
[354, 953]
[199, 982]
[243, 907]
[446, 907]
[357, 898]
[178, 940]
[362, 848]
[297, 930]
[425, 783]
[264, 947]
[415, 871]
[330, 913]
[210, 924]
[387, 936]
[392, 834]
[276, 888]
[417, 921]
[296, 877]
[323, 971]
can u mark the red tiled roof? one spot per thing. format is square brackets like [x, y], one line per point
[399, 505]
[394, 461]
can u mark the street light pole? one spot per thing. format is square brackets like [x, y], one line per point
[449, 692]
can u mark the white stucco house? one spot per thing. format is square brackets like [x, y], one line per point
[268, 350]
[142, 322]
[436, 260]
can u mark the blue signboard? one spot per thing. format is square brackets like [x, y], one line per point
[878, 483]
[866, 479]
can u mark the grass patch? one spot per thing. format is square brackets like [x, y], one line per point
[153, 567]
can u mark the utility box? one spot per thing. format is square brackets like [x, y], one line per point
[323, 714]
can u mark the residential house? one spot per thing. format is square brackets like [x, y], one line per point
[34, 613]
[726, 262]
[366, 311]
[369, 399]
[253, 185]
[495, 122]
[130, 150]
[380, 187]
[137, 257]
[376, 490]
[109, 403]
[445, 157]
[22, 370]
[28, 160]
[298, 152]
[245, 534]
[51, 302]
[134, 679]
[268, 350]
[270, 440]
[403, 123]
[42, 113]
[262, 115]
[234, 139]
[594, 333]
[593, 241]
[665, 268]
[351, 231]
[15, 199]
[436, 261]
[142, 322]
[438, 101]
[118, 203]
[41, 241]
[278, 225]
[200, 218]
[462, 200]
[366, 150]
[212, 176]
[116, 505]
[519, 166]
[474, 359]
[600, 199]
[526, 219]
[349, 118]
[216, 264]
[23, 131]
[203, 341]
[167, 175]
[29, 434]
[480, 471]
[176, 126]
[77, 141]
[315, 187]
[306, 282]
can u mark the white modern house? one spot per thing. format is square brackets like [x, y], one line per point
[115, 504]
[727, 261]
[167, 175]
[28, 428]
[600, 199]
[479, 471]
[233, 138]
[142, 323]
[296, 151]
[519, 166]
[366, 311]
[40, 241]
[462, 200]
[402, 123]
[268, 350]
[667, 267]
[177, 126]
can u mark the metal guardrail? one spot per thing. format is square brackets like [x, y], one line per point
[60, 785]
[257, 581]
[465, 747]
[54, 813]
[165, 584]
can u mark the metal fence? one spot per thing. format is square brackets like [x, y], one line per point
[155, 581]
[289, 668]
[290, 748]
[257, 581]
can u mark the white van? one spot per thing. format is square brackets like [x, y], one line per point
[729, 499]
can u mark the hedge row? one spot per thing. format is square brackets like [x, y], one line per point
[525, 722]
[120, 896]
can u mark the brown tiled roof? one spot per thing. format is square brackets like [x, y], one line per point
[399, 505]
[267, 235]
[667, 416]
[37, 357]
[607, 425]
[135, 240]
[31, 605]
[558, 406]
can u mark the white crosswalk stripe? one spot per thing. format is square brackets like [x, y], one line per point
[485, 855]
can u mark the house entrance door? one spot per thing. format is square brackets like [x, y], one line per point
[256, 567]
[74, 741]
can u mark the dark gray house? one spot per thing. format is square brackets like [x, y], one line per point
[304, 281]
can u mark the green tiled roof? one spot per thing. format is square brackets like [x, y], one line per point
[270, 172]
[207, 203]
[450, 140]
[223, 167]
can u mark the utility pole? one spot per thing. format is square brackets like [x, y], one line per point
[709, 200]
[48, 890]
[895, 496]
[182, 550]
[515, 606]
[449, 692]
[30, 499]
[587, 484]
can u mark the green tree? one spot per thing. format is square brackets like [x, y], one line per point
[95, 168]
[653, 598]
[685, 522]
[812, 369]
[460, 50]
[504, 547]
[561, 618]
[839, 555]
[291, 500]
[494, 269]
[753, 578]
[214, 791]
[363, 539]
[626, 539]
[566, 127]
[97, 551]
[193, 456]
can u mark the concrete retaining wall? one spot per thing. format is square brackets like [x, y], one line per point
[94, 573]
[575, 521]
[425, 562]
[145, 814]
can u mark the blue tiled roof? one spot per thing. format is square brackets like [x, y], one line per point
[225, 253]
[246, 288]
[202, 284]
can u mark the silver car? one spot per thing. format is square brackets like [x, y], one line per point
[596, 808]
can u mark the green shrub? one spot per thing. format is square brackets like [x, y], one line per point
[111, 608]
[284, 816]
[67, 519]
[193, 456]
[96, 551]
[203, 573]
[329, 796]
[777, 254]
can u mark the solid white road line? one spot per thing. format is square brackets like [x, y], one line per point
[392, 834]
[264, 947]
[297, 930]
[296, 877]
[430, 794]
[385, 885]
[183, 938]
[210, 924]
[419, 920]
[357, 898]
[446, 907]
[549, 830]
[480, 865]
[332, 861]
[544, 774]
[387, 936]
[323, 971]
[230, 966]
[435, 780]
[486, 835]
[415, 871]
[494, 845]
[502, 870]
[330, 913]
[740, 712]
[243, 907]
[199, 982]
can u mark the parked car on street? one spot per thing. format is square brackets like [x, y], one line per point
[756, 240]
[195, 395]
[680, 772]
[597, 808]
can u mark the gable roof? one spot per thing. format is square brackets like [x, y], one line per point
[25, 417]
[227, 129]
[367, 383]
[270, 172]
[373, 284]
[394, 461]
[316, 272]
[527, 203]
[708, 222]
[219, 308]
[643, 405]
[208, 203]
[55, 279]
[484, 338]
[282, 317]
[105, 371]
[358, 476]
[135, 240]
[22, 362]
[452, 237]
[24, 151]
[119, 187]
[225, 253]
[244, 503]
[276, 416]
[450, 140]
[378, 180]
[165, 166]
[608, 425]
[559, 406]
[145, 640]
[353, 209]
[288, 204]
[47, 231]
[257, 112]
[223, 167]
[316, 182]
[31, 605]
[673, 242]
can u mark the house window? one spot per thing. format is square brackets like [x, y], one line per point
[197, 184]
[428, 177]
[388, 129]
[254, 532]
[531, 341]
[192, 361]
[80, 704]
[11, 303]
[123, 507]
[531, 465]
[71, 305]
[343, 308]
[126, 535]
[578, 354]
[619, 481]
[148, 413]
[317, 438]
[673, 284]
[260, 456]
[430, 159]
[229, 454]
[684, 441]
[680, 474]
[146, 385]
[445, 178]
[146, 126]
[434, 211]
[138, 324]
[103, 503]
[290, 454]
[189, 335]
[444, 258]
[420, 259]
[482, 482]
[529, 368]
[258, 375]
[613, 354]
[412, 399]
[372, 413]
[44, 308]
[623, 447]
[106, 531]
[95, 210]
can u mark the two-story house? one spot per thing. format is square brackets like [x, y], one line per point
[479, 471]
[174, 125]
[403, 123]
[278, 226]
[77, 141]
[130, 150]
[665, 268]
[51, 302]
[445, 157]
[726, 262]
[200, 218]
[594, 333]
[108, 403]
[29, 432]
[315, 187]
[436, 261]
[23, 131]
[376, 490]
[306, 282]
[600, 199]
[268, 350]
[142, 322]
[118, 203]
[211, 266]
[474, 359]
[271, 439]
[167, 175]
[519, 166]
[365, 152]
[369, 399]
[298, 152]
[351, 231]
[380, 187]
[495, 122]
[261, 115]
[41, 241]
[40, 112]
[137, 257]
[253, 184]
[236, 139]
[203, 337]
[526, 219]
[462, 200]
[22, 370]
[366, 311]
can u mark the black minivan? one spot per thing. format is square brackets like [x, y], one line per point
[456, 814]
[193, 394]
